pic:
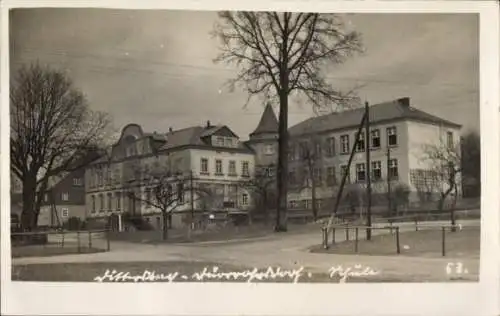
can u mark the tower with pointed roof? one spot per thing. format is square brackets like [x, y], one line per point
[264, 139]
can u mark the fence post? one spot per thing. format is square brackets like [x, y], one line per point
[62, 241]
[356, 242]
[443, 241]
[398, 249]
[416, 224]
[347, 232]
[325, 237]
[333, 235]
[78, 240]
[90, 240]
[107, 240]
[390, 226]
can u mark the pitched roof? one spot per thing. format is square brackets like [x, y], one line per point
[193, 136]
[268, 122]
[391, 110]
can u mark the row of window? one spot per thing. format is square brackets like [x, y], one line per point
[360, 172]
[222, 141]
[219, 167]
[330, 147]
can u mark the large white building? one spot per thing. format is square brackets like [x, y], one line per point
[400, 138]
[208, 158]
[215, 158]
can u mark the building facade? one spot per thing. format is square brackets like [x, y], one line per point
[399, 140]
[63, 199]
[203, 166]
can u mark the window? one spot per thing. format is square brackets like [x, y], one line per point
[118, 197]
[99, 177]
[180, 193]
[108, 176]
[319, 204]
[375, 138]
[303, 150]
[307, 204]
[317, 176]
[344, 144]
[392, 139]
[204, 165]
[245, 169]
[219, 141]
[360, 172]
[101, 203]
[449, 139]
[232, 168]
[65, 196]
[393, 169]
[146, 172]
[77, 182]
[330, 147]
[317, 150]
[218, 167]
[269, 172]
[148, 197]
[110, 201]
[291, 153]
[293, 204]
[376, 170]
[244, 199]
[65, 212]
[345, 171]
[269, 149]
[291, 178]
[360, 146]
[93, 204]
[228, 142]
[46, 197]
[331, 178]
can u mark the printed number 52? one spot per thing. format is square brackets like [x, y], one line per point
[455, 268]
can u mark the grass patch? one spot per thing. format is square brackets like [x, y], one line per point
[86, 272]
[464, 243]
[48, 251]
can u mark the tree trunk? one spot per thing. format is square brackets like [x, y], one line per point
[29, 216]
[313, 198]
[281, 205]
[452, 211]
[165, 224]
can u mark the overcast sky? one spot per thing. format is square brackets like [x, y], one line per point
[155, 68]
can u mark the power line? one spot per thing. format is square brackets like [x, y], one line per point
[87, 55]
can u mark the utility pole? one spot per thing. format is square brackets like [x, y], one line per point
[368, 174]
[191, 192]
[389, 179]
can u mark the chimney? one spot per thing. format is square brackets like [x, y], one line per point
[208, 124]
[170, 129]
[404, 101]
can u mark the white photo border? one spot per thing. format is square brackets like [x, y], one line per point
[479, 298]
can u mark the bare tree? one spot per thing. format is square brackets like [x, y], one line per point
[262, 187]
[285, 54]
[445, 163]
[309, 163]
[52, 131]
[164, 189]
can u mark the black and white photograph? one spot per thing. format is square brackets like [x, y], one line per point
[245, 147]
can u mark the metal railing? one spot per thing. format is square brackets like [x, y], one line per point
[59, 242]
[393, 230]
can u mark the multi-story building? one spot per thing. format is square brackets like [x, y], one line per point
[63, 199]
[214, 158]
[196, 160]
[320, 148]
